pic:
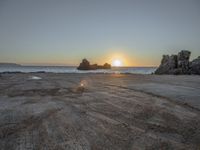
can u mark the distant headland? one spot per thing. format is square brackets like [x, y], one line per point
[85, 65]
[9, 64]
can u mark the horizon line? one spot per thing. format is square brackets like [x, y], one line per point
[65, 65]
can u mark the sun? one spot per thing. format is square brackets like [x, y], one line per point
[117, 63]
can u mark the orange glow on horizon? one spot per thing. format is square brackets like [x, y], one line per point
[118, 60]
[117, 63]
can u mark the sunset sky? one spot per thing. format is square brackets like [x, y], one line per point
[62, 32]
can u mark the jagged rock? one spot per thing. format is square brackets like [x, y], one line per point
[179, 64]
[183, 61]
[195, 66]
[168, 65]
[85, 65]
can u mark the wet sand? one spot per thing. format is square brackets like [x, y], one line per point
[99, 111]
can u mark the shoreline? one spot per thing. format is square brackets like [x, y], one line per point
[97, 73]
[134, 70]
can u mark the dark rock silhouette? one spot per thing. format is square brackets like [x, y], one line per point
[9, 65]
[179, 64]
[85, 65]
[168, 64]
[183, 62]
[195, 66]
[107, 66]
[93, 67]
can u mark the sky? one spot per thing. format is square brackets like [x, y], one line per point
[62, 32]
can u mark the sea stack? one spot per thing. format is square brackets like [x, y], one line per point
[179, 64]
[85, 65]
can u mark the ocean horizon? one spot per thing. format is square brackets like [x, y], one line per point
[73, 69]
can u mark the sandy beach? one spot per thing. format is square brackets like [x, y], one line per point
[49, 111]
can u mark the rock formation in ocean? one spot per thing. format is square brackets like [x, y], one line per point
[179, 64]
[85, 65]
[105, 66]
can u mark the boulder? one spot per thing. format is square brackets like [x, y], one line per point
[195, 66]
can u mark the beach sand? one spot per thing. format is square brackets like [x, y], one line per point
[51, 111]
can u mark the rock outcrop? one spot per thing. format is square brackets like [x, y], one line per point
[179, 64]
[85, 65]
[105, 66]
[183, 62]
[168, 64]
[195, 66]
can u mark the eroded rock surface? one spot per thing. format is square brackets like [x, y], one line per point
[183, 61]
[195, 66]
[168, 65]
[99, 112]
[179, 64]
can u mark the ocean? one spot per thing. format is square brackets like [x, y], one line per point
[69, 69]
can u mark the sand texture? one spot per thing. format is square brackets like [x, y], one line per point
[47, 111]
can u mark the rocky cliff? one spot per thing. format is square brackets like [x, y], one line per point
[179, 64]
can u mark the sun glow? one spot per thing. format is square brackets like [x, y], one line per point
[117, 63]
[117, 59]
